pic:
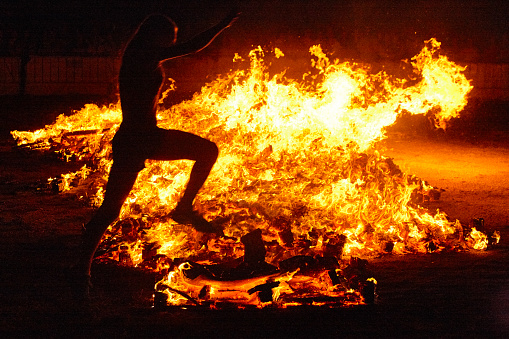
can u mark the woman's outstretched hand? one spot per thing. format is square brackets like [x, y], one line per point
[231, 17]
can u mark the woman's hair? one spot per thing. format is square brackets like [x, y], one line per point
[155, 27]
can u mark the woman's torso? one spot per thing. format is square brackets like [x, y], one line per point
[140, 81]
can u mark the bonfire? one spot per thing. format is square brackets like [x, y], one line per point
[301, 187]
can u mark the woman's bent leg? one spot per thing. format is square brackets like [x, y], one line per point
[203, 164]
[175, 145]
[182, 145]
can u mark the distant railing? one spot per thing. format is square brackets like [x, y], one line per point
[46, 75]
[9, 77]
[60, 75]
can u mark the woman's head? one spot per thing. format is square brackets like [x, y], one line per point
[158, 30]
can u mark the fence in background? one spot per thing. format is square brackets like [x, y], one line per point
[60, 75]
[98, 76]
[9, 76]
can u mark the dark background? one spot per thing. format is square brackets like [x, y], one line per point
[371, 30]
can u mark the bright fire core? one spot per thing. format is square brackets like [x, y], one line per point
[298, 160]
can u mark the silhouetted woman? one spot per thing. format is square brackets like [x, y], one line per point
[138, 138]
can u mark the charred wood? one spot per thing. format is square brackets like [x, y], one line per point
[264, 291]
[308, 264]
[254, 248]
[368, 291]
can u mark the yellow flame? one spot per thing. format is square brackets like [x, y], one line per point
[478, 239]
[303, 151]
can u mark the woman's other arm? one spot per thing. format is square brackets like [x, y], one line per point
[200, 41]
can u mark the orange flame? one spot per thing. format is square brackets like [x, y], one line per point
[299, 151]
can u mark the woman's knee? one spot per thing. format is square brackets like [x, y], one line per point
[209, 153]
[213, 150]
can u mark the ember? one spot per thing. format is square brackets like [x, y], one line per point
[301, 187]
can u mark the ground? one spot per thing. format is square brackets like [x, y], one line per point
[441, 295]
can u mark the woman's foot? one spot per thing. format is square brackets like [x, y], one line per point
[199, 223]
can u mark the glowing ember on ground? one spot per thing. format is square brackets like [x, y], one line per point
[298, 161]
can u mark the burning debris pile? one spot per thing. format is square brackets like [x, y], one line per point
[301, 189]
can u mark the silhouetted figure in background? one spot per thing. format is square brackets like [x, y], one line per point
[138, 138]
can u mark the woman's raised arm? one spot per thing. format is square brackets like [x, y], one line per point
[198, 42]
